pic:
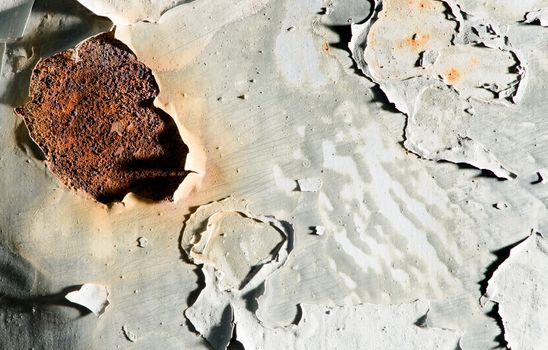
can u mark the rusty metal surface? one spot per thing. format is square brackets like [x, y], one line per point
[92, 114]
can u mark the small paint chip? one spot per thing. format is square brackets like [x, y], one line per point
[309, 185]
[130, 336]
[500, 206]
[428, 58]
[539, 17]
[93, 297]
[318, 230]
[542, 177]
[142, 242]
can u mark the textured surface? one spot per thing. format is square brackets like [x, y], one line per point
[268, 97]
[91, 113]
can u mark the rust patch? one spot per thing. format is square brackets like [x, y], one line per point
[91, 112]
[452, 75]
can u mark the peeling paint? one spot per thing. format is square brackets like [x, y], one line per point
[519, 287]
[539, 17]
[266, 93]
[236, 245]
[238, 252]
[469, 55]
[92, 296]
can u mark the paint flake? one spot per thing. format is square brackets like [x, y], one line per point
[142, 242]
[92, 296]
[130, 336]
[309, 184]
[318, 230]
[539, 17]
[437, 130]
[235, 245]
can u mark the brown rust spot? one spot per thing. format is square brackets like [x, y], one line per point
[452, 75]
[423, 4]
[91, 112]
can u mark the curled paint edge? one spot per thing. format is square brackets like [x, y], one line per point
[491, 291]
[539, 17]
[468, 152]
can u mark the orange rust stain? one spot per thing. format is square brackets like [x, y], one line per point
[325, 47]
[474, 61]
[452, 75]
[424, 4]
[417, 40]
[421, 4]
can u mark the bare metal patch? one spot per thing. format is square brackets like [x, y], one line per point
[91, 113]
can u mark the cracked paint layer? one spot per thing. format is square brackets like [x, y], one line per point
[436, 45]
[520, 286]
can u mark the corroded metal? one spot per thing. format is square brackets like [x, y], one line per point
[91, 112]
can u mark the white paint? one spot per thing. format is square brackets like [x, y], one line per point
[92, 296]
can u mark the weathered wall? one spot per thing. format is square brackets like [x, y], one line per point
[363, 174]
